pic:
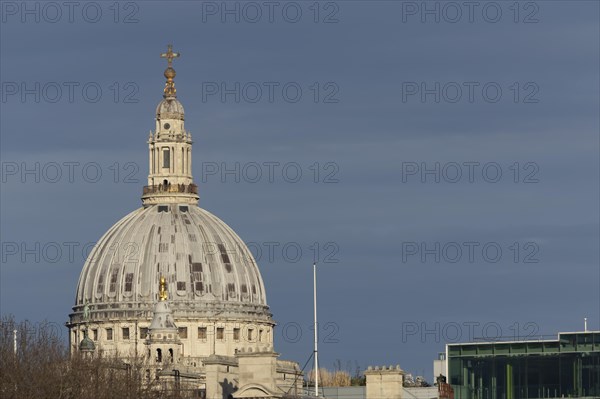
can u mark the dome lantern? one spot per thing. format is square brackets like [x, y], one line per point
[170, 149]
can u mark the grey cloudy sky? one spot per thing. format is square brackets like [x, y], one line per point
[365, 95]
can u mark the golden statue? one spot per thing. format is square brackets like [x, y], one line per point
[162, 292]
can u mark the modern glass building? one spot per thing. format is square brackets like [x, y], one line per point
[568, 367]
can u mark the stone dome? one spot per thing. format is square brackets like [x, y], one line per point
[87, 345]
[170, 108]
[207, 266]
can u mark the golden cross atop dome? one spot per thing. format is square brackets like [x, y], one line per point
[170, 90]
[170, 55]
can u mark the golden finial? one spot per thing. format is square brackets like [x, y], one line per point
[162, 293]
[170, 90]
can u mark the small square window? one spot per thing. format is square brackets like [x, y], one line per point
[109, 334]
[183, 332]
[197, 267]
[201, 332]
[220, 333]
[125, 332]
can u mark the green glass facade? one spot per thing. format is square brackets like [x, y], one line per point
[565, 368]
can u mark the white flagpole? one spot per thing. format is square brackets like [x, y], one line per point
[316, 331]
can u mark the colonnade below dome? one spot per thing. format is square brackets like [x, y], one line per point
[200, 338]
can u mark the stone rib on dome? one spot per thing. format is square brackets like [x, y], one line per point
[203, 259]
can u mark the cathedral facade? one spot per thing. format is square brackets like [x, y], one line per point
[174, 286]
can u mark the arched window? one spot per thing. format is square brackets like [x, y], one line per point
[171, 354]
[158, 356]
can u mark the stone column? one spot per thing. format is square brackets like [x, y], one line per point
[258, 367]
[220, 374]
[384, 382]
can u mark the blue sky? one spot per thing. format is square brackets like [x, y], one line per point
[499, 103]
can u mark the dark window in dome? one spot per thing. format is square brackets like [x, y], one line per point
[244, 289]
[236, 334]
[231, 287]
[192, 237]
[224, 255]
[196, 267]
[183, 208]
[199, 286]
[181, 286]
[113, 280]
[254, 289]
[163, 208]
[100, 286]
[228, 267]
[163, 247]
[128, 282]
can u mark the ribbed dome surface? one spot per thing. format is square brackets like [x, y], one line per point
[170, 108]
[202, 258]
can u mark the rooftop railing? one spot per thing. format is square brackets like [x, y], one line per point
[171, 188]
